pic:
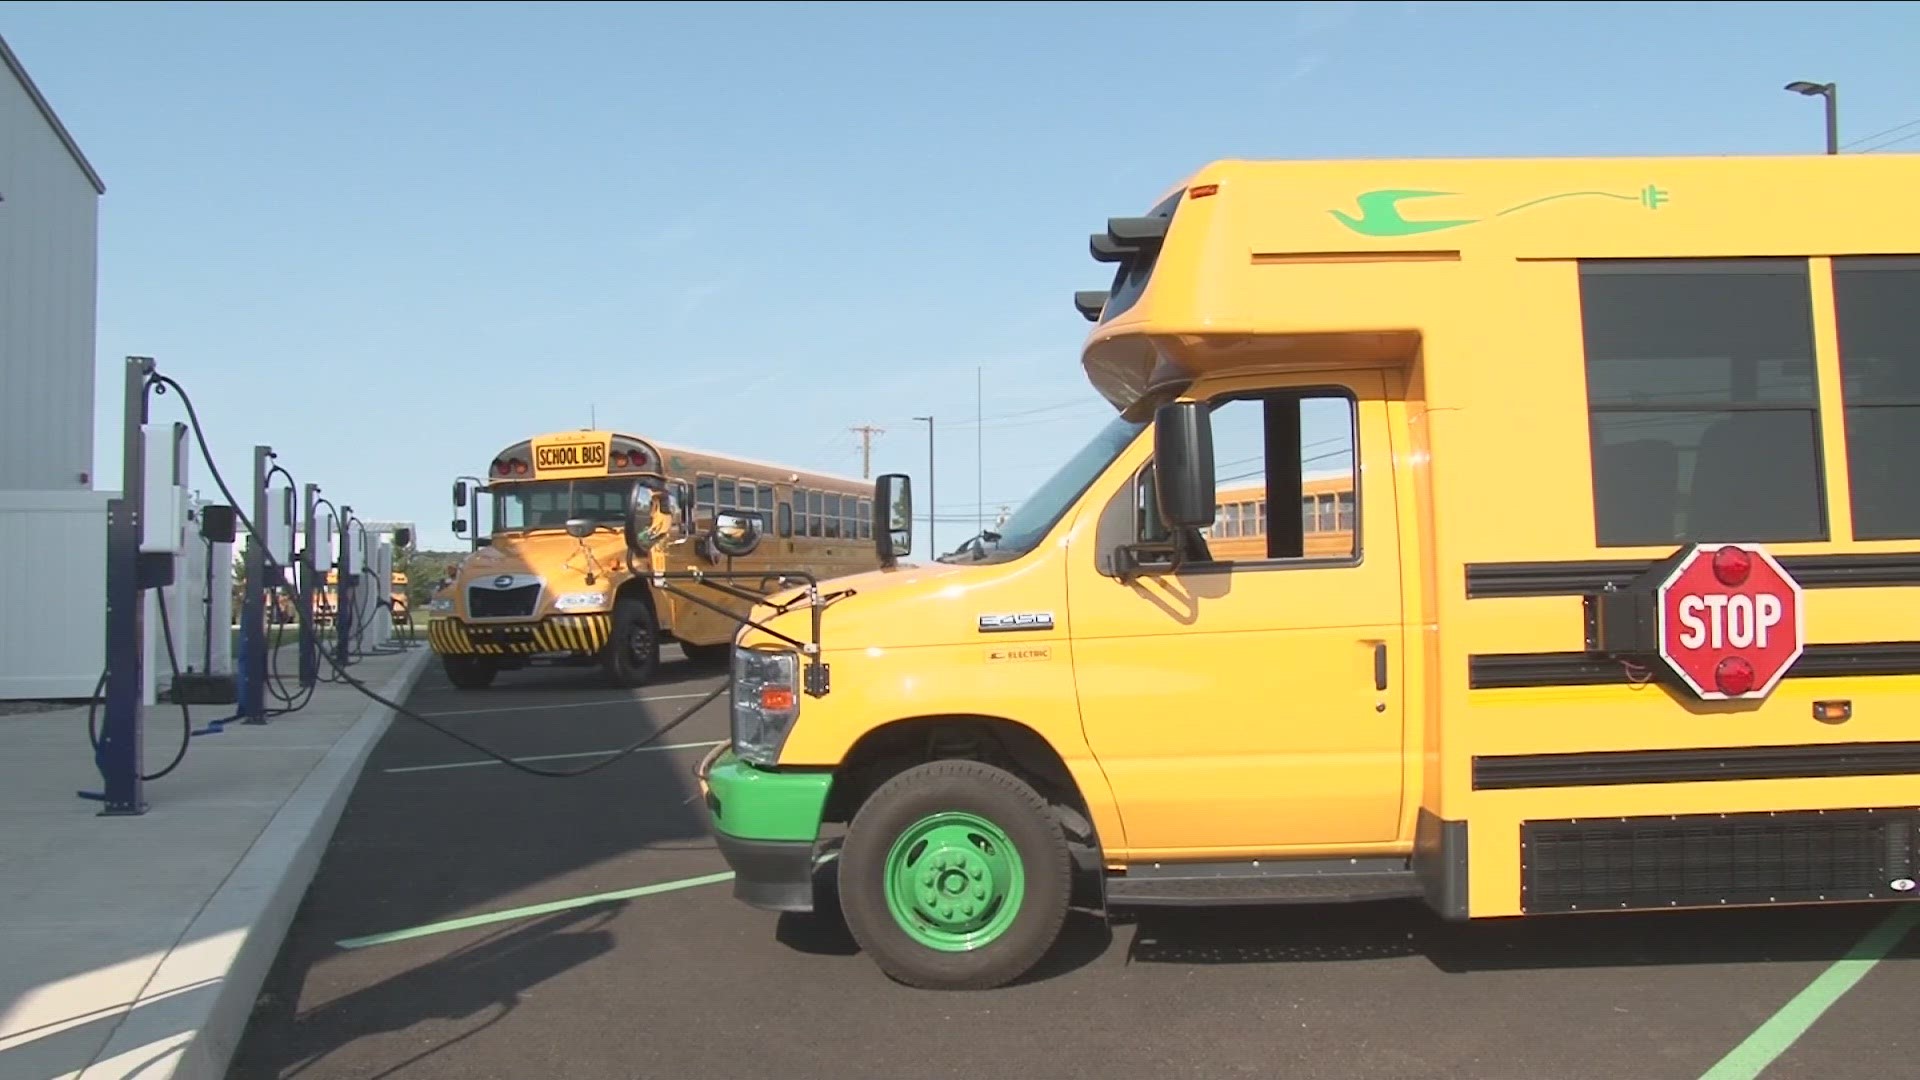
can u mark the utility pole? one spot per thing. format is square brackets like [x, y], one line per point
[866, 433]
[933, 551]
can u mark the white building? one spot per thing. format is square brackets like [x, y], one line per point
[52, 522]
[49, 225]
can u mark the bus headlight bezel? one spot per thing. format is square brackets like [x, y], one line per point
[765, 702]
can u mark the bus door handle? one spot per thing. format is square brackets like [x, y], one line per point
[1379, 665]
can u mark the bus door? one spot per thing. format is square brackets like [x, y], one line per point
[1255, 700]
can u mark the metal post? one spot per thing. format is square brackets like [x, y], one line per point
[122, 751]
[343, 590]
[933, 549]
[979, 456]
[1833, 118]
[253, 610]
[309, 571]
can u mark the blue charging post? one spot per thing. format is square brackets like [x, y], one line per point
[253, 608]
[343, 591]
[121, 753]
[309, 572]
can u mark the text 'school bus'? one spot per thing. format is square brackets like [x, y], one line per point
[1615, 605]
[552, 583]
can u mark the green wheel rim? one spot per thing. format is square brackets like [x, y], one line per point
[954, 881]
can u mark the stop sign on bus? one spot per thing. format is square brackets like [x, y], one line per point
[1731, 621]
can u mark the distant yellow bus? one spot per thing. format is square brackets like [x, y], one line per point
[552, 583]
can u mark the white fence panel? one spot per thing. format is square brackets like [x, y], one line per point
[52, 593]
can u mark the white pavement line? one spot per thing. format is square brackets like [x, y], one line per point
[568, 705]
[551, 757]
[236, 935]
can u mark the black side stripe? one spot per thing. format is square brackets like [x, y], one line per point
[1577, 578]
[1606, 768]
[1491, 671]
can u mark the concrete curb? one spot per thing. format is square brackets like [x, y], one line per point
[179, 1031]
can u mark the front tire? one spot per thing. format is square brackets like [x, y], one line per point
[954, 876]
[633, 650]
[468, 672]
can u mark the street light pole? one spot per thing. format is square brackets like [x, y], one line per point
[932, 549]
[1830, 91]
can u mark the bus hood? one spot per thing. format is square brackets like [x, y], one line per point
[554, 557]
[926, 605]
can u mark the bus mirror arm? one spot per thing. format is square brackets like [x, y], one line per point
[817, 682]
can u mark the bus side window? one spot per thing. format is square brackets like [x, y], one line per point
[726, 499]
[799, 511]
[866, 519]
[766, 507]
[749, 500]
[785, 520]
[816, 504]
[703, 495]
[833, 515]
[1284, 446]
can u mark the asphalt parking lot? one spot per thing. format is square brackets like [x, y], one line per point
[397, 965]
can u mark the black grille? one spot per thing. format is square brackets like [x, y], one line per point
[502, 603]
[1714, 859]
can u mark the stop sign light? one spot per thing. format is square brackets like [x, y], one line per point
[1725, 620]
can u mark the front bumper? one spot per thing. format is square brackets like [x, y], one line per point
[765, 823]
[583, 635]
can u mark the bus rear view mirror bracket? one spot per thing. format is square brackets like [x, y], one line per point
[581, 528]
[1183, 489]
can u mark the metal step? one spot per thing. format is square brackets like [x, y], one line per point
[1266, 881]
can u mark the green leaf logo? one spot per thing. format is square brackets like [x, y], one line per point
[1380, 210]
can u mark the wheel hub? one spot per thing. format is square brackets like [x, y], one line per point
[954, 881]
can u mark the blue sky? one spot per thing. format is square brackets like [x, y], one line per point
[390, 240]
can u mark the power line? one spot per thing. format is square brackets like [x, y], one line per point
[1890, 142]
[1878, 134]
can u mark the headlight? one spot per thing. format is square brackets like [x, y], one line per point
[576, 601]
[766, 702]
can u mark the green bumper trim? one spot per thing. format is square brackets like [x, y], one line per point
[758, 804]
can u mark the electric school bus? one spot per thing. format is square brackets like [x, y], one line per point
[552, 584]
[1627, 619]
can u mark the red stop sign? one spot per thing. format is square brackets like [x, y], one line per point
[1731, 621]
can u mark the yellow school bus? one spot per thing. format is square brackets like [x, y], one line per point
[1624, 619]
[1239, 529]
[552, 584]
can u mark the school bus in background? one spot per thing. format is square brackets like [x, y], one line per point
[1239, 529]
[552, 583]
[326, 599]
[1623, 621]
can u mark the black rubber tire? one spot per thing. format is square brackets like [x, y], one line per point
[622, 665]
[1001, 798]
[468, 672]
[707, 654]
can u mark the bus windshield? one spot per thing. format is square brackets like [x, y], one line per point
[547, 504]
[1023, 531]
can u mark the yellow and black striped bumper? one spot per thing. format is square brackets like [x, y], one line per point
[586, 634]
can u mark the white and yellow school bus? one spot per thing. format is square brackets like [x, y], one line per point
[1623, 617]
[553, 584]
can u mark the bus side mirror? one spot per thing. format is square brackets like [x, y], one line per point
[402, 538]
[581, 528]
[736, 535]
[459, 527]
[1183, 465]
[892, 517]
[459, 493]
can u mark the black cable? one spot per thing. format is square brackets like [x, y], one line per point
[186, 714]
[200, 438]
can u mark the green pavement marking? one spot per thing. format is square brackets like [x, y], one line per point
[471, 921]
[1771, 1039]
